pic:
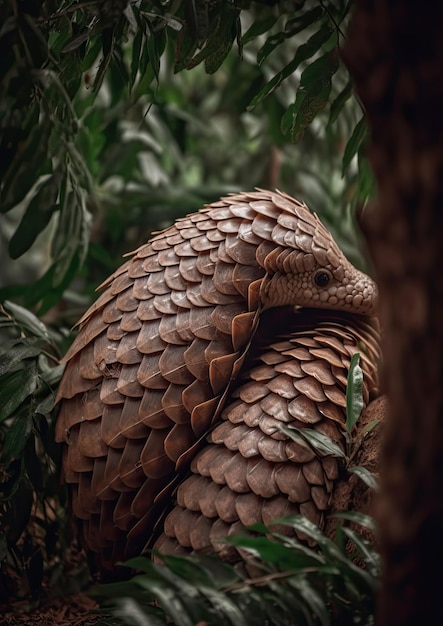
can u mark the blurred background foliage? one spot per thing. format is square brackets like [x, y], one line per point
[116, 117]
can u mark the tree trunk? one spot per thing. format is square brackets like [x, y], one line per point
[395, 54]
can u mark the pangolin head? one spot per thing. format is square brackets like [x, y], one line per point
[308, 269]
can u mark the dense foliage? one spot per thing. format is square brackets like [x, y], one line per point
[285, 583]
[117, 117]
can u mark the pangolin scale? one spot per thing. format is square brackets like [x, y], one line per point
[198, 347]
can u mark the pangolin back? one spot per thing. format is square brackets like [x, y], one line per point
[159, 351]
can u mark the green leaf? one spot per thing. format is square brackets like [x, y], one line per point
[366, 185]
[366, 476]
[197, 19]
[303, 53]
[271, 43]
[271, 551]
[26, 319]
[155, 43]
[293, 27]
[259, 27]
[18, 351]
[135, 59]
[318, 442]
[31, 162]
[169, 598]
[15, 389]
[338, 104]
[37, 215]
[354, 143]
[76, 42]
[306, 527]
[354, 393]
[370, 426]
[312, 96]
[366, 550]
[16, 437]
[320, 70]
[223, 33]
[307, 105]
[312, 598]
[108, 49]
[357, 518]
[188, 570]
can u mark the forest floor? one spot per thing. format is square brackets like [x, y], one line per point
[76, 610]
[67, 603]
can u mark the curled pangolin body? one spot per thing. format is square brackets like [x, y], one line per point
[159, 353]
[249, 471]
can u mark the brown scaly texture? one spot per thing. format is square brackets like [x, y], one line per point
[157, 354]
[250, 471]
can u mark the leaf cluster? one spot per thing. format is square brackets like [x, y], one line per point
[288, 582]
[73, 70]
[32, 501]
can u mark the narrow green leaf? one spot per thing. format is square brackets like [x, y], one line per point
[20, 350]
[370, 426]
[26, 319]
[24, 173]
[197, 19]
[354, 393]
[135, 58]
[296, 24]
[170, 600]
[222, 603]
[292, 27]
[312, 598]
[322, 69]
[37, 215]
[358, 518]
[366, 550]
[303, 53]
[16, 389]
[155, 43]
[128, 12]
[366, 476]
[305, 526]
[270, 44]
[53, 375]
[354, 143]
[108, 49]
[92, 52]
[188, 569]
[76, 42]
[259, 27]
[318, 442]
[338, 104]
[366, 185]
[307, 105]
[271, 551]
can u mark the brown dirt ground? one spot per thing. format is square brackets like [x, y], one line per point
[68, 611]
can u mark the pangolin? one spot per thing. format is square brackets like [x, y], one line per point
[163, 408]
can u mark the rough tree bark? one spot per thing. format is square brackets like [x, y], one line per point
[395, 54]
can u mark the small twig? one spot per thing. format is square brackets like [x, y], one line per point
[263, 580]
[332, 18]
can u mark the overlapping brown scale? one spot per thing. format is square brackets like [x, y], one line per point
[247, 450]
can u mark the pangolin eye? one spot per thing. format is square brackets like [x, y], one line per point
[322, 278]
